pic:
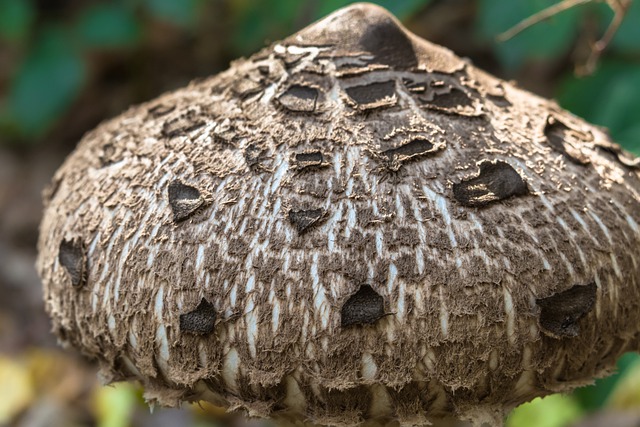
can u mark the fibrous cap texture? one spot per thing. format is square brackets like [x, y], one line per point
[351, 224]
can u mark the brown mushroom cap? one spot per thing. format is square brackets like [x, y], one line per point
[351, 224]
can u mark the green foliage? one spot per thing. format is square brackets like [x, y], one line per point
[183, 12]
[257, 23]
[627, 38]
[626, 395]
[544, 40]
[596, 396]
[50, 78]
[114, 405]
[107, 26]
[16, 18]
[610, 97]
[552, 411]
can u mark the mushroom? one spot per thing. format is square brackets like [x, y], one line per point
[352, 224]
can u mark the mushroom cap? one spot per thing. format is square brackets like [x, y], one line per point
[351, 224]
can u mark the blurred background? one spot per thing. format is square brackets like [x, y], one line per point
[66, 65]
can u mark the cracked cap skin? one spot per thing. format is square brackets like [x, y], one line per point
[353, 224]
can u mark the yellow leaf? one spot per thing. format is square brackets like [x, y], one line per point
[114, 404]
[15, 388]
[626, 394]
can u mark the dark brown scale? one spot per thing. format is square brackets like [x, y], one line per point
[161, 110]
[247, 87]
[555, 132]
[560, 313]
[496, 181]
[413, 148]
[309, 160]
[299, 98]
[365, 306]
[181, 126]
[620, 155]
[71, 256]
[452, 99]
[373, 95]
[201, 321]
[302, 220]
[389, 44]
[254, 156]
[184, 200]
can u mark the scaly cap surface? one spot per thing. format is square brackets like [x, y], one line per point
[351, 224]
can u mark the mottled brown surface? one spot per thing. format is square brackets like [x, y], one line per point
[323, 165]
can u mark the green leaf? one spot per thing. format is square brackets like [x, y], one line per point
[610, 98]
[556, 410]
[257, 23]
[594, 397]
[183, 13]
[402, 9]
[543, 40]
[16, 17]
[46, 84]
[107, 26]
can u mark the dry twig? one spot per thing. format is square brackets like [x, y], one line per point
[619, 8]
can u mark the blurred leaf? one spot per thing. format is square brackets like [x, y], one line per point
[209, 409]
[179, 12]
[594, 397]
[556, 410]
[626, 394]
[114, 405]
[16, 17]
[15, 388]
[47, 82]
[257, 23]
[543, 40]
[402, 9]
[107, 25]
[610, 97]
[628, 35]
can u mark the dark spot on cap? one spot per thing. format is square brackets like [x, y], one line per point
[304, 219]
[299, 98]
[201, 321]
[365, 306]
[555, 132]
[184, 200]
[108, 156]
[312, 159]
[413, 148]
[496, 181]
[499, 100]
[452, 99]
[620, 155]
[254, 156]
[161, 110]
[373, 95]
[389, 44]
[182, 125]
[560, 313]
[72, 257]
[247, 87]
